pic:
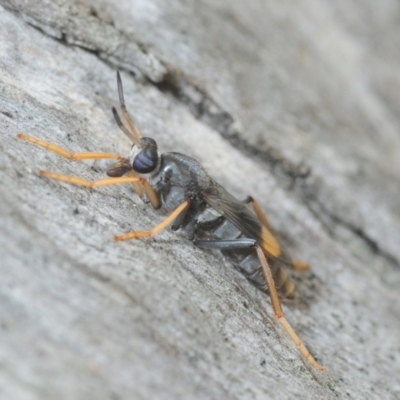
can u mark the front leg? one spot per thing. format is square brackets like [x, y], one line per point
[65, 153]
[76, 180]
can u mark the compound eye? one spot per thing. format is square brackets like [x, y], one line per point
[147, 159]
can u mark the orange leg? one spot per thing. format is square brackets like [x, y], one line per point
[300, 265]
[137, 186]
[65, 153]
[259, 212]
[150, 193]
[276, 305]
[75, 180]
[263, 219]
[158, 228]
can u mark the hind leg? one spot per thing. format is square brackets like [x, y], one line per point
[245, 243]
[296, 264]
[276, 305]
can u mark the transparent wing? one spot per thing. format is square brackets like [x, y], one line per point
[239, 215]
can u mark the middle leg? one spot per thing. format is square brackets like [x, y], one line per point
[138, 234]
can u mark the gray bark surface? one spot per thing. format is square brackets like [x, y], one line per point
[297, 104]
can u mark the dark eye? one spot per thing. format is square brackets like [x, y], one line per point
[147, 159]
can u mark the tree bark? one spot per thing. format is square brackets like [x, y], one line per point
[295, 104]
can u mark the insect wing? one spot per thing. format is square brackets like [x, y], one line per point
[239, 215]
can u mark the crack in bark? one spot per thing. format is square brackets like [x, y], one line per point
[208, 111]
[355, 230]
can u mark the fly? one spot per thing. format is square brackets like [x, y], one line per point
[200, 207]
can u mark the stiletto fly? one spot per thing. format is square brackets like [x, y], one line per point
[198, 206]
